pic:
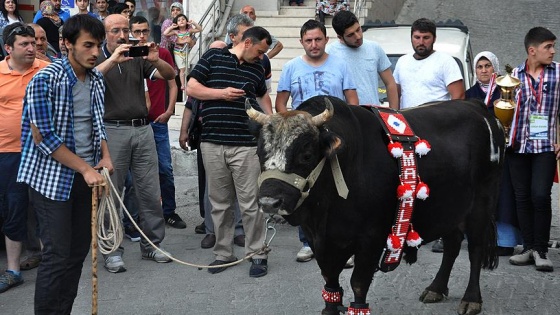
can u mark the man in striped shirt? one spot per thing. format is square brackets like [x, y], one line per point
[223, 79]
[533, 145]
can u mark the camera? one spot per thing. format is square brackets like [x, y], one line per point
[138, 51]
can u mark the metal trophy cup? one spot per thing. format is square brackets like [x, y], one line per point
[504, 108]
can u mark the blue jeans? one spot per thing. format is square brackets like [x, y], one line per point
[13, 198]
[166, 179]
[532, 176]
[302, 237]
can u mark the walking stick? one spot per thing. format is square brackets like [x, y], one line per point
[94, 250]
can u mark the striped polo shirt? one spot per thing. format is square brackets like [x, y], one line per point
[225, 122]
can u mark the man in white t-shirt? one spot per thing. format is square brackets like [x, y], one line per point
[368, 60]
[315, 72]
[427, 75]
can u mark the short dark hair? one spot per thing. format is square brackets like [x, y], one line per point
[423, 25]
[176, 18]
[257, 34]
[82, 22]
[131, 1]
[9, 35]
[343, 20]
[137, 19]
[118, 8]
[538, 35]
[311, 25]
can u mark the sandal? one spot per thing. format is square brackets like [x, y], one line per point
[30, 263]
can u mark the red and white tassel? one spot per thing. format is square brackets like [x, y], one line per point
[404, 191]
[422, 191]
[413, 239]
[393, 243]
[396, 149]
[422, 147]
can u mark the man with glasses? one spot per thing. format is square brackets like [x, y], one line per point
[15, 72]
[131, 139]
[159, 115]
[63, 147]
[63, 14]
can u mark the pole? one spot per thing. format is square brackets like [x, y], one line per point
[94, 250]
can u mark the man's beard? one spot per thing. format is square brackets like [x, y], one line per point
[425, 52]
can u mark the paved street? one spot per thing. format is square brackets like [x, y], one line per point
[295, 288]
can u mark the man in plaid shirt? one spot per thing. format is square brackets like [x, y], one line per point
[533, 146]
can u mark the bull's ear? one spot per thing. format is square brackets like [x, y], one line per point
[254, 128]
[331, 143]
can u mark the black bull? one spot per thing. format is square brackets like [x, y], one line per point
[462, 171]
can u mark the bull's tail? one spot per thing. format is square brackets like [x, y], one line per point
[489, 252]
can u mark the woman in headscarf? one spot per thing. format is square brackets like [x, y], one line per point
[167, 41]
[9, 13]
[50, 22]
[486, 66]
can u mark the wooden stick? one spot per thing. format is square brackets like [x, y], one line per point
[94, 250]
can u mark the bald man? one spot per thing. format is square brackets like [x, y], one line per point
[130, 136]
[276, 45]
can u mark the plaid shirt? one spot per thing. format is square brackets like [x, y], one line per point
[527, 105]
[48, 105]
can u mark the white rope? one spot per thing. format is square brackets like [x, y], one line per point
[110, 237]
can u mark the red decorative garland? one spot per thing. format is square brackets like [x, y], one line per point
[358, 311]
[331, 297]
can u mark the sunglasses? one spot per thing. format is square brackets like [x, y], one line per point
[22, 30]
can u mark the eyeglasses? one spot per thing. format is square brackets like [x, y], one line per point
[143, 32]
[22, 30]
[116, 31]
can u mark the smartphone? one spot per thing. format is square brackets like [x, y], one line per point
[138, 51]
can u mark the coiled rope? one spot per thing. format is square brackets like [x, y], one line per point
[110, 231]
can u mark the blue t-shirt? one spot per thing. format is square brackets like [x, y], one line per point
[64, 15]
[367, 61]
[304, 81]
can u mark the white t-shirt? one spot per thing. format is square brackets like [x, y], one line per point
[426, 80]
[365, 62]
[304, 81]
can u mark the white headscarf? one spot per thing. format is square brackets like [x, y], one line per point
[491, 57]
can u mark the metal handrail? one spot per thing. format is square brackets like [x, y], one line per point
[213, 22]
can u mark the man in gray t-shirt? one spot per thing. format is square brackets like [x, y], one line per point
[368, 60]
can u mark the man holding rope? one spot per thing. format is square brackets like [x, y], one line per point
[63, 147]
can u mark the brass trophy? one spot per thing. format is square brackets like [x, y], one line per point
[504, 108]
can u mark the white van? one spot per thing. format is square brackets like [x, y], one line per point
[452, 37]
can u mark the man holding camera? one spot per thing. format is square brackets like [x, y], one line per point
[131, 139]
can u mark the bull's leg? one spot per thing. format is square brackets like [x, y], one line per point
[361, 281]
[436, 291]
[332, 295]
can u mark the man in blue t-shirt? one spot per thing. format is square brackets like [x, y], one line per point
[368, 60]
[315, 73]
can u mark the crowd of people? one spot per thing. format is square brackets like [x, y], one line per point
[66, 117]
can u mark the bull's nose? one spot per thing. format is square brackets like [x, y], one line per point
[269, 204]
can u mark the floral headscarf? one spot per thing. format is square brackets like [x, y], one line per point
[47, 8]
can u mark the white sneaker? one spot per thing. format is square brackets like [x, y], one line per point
[349, 263]
[114, 264]
[156, 255]
[522, 259]
[542, 262]
[304, 254]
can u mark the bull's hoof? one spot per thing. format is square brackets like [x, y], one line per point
[469, 308]
[431, 297]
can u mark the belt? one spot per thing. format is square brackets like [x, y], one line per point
[134, 122]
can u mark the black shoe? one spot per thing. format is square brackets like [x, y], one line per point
[504, 251]
[258, 268]
[208, 241]
[437, 247]
[239, 240]
[200, 229]
[218, 269]
[175, 221]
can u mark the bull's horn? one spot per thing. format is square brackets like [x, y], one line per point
[255, 114]
[319, 120]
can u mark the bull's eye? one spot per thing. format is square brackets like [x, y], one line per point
[305, 158]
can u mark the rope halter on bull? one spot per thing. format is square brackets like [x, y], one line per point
[403, 144]
[304, 185]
